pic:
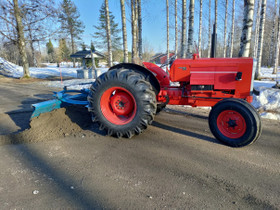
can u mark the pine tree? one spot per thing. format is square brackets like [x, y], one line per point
[50, 50]
[63, 51]
[70, 23]
[100, 34]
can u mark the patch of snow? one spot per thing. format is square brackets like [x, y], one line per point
[268, 102]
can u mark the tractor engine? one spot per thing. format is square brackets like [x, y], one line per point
[205, 81]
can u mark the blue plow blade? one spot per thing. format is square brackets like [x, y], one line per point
[62, 100]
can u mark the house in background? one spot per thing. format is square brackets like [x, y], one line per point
[160, 58]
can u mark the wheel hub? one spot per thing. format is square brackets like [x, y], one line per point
[121, 103]
[231, 124]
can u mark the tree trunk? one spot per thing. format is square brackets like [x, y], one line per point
[140, 42]
[225, 31]
[167, 33]
[261, 32]
[190, 34]
[232, 28]
[184, 28]
[257, 27]
[200, 29]
[125, 50]
[176, 29]
[247, 28]
[216, 16]
[276, 61]
[73, 46]
[209, 30]
[108, 33]
[133, 32]
[271, 50]
[21, 39]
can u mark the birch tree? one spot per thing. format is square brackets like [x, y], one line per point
[276, 61]
[261, 32]
[133, 32]
[108, 33]
[167, 33]
[184, 28]
[225, 31]
[125, 50]
[21, 38]
[190, 34]
[232, 29]
[140, 40]
[209, 30]
[200, 28]
[216, 15]
[247, 28]
[176, 29]
[257, 26]
[272, 42]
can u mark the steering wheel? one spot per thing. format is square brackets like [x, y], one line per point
[171, 60]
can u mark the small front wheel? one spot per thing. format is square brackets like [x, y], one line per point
[235, 122]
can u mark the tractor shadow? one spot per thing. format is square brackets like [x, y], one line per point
[183, 131]
[21, 116]
[80, 116]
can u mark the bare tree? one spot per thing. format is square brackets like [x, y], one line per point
[140, 40]
[261, 32]
[257, 26]
[133, 32]
[276, 61]
[108, 33]
[190, 34]
[247, 28]
[21, 39]
[225, 31]
[125, 50]
[184, 28]
[232, 28]
[209, 30]
[176, 29]
[272, 42]
[200, 28]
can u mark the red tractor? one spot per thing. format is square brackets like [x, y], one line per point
[125, 100]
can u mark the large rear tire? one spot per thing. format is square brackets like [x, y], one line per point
[235, 122]
[122, 102]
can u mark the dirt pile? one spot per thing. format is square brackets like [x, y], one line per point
[58, 123]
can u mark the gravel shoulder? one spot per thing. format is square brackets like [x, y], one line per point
[175, 163]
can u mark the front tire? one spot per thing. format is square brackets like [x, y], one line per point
[235, 122]
[122, 102]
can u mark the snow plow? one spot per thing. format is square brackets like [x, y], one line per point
[125, 99]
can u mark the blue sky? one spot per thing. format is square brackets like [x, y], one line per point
[154, 20]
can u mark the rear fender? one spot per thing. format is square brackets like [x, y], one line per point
[160, 74]
[149, 75]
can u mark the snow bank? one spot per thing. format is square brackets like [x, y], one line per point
[10, 69]
[268, 103]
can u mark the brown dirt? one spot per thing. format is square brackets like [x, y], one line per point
[58, 123]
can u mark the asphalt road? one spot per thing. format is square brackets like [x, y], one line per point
[175, 164]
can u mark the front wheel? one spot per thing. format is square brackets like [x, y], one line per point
[235, 122]
[122, 102]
